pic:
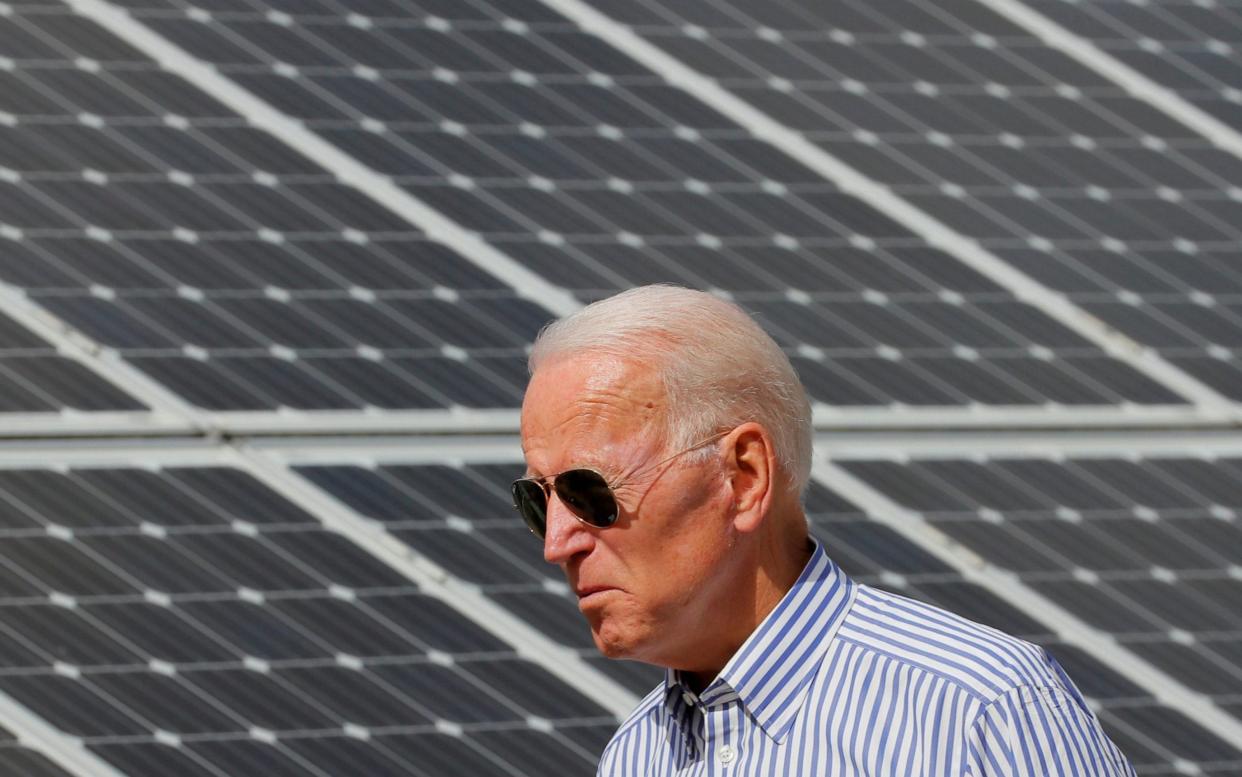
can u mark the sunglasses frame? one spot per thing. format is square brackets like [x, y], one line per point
[547, 485]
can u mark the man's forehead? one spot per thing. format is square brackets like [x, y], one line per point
[587, 380]
[607, 374]
[599, 396]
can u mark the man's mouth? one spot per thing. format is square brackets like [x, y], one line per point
[587, 591]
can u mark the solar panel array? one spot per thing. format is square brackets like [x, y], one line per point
[359, 213]
[575, 162]
[191, 620]
[1009, 510]
[1013, 143]
[1148, 550]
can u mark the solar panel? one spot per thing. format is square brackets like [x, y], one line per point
[204, 618]
[462, 519]
[458, 513]
[1050, 165]
[1145, 549]
[443, 179]
[215, 258]
[572, 159]
[878, 555]
[193, 618]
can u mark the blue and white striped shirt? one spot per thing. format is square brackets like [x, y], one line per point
[843, 680]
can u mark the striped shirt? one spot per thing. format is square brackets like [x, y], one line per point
[842, 679]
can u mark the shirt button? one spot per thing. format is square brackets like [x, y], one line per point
[727, 754]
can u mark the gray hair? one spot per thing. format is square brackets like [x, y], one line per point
[720, 369]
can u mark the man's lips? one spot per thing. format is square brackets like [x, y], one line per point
[589, 590]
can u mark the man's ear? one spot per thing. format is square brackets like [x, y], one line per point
[751, 461]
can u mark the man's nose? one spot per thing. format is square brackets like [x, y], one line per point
[564, 536]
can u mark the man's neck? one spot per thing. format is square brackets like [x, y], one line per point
[774, 579]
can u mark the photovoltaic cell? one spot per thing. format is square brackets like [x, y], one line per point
[35, 378]
[462, 520]
[1143, 548]
[167, 626]
[961, 497]
[569, 157]
[467, 526]
[213, 256]
[1186, 47]
[1051, 166]
[192, 621]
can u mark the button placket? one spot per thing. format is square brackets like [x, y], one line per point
[720, 732]
[698, 728]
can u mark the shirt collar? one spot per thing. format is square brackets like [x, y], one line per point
[772, 671]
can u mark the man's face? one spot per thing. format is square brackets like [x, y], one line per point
[651, 584]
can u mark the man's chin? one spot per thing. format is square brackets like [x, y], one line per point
[611, 642]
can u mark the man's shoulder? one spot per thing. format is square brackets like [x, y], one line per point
[976, 659]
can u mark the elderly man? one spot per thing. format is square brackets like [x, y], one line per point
[668, 442]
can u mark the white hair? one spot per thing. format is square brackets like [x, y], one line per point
[719, 368]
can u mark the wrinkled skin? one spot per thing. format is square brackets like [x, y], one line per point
[674, 581]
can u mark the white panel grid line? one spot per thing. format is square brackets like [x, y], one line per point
[93, 423]
[456, 420]
[531, 645]
[1140, 86]
[826, 417]
[897, 445]
[65, 750]
[1166, 689]
[850, 181]
[995, 445]
[376, 186]
[832, 417]
[459, 420]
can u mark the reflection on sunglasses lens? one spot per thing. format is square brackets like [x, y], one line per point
[588, 495]
[583, 491]
[529, 498]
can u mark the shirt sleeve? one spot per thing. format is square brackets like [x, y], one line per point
[1038, 731]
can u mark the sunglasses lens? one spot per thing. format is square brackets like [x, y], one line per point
[530, 501]
[587, 494]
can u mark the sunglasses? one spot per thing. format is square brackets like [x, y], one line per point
[589, 497]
